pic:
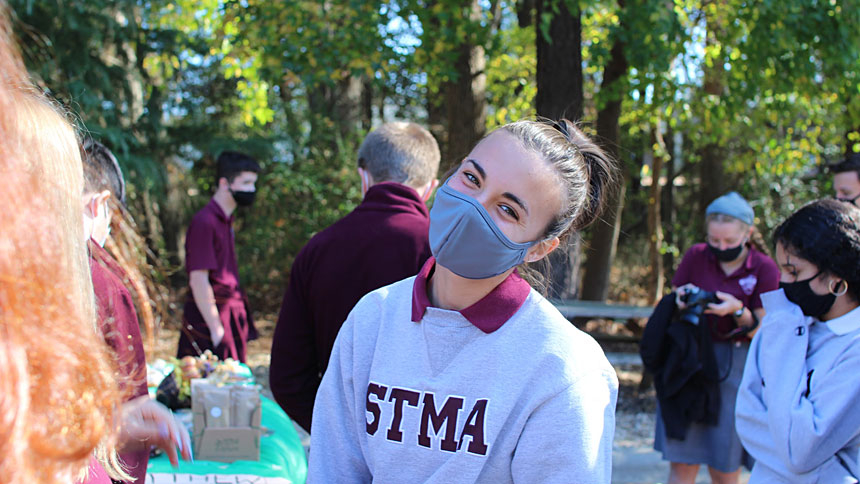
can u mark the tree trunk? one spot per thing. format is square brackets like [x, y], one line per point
[335, 113]
[668, 199]
[466, 97]
[604, 238]
[524, 12]
[436, 123]
[559, 94]
[436, 109]
[347, 104]
[367, 105]
[712, 182]
[559, 64]
[711, 176]
[655, 227]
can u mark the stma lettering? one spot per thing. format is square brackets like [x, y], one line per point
[430, 418]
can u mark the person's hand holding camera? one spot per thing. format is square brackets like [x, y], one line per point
[681, 291]
[730, 305]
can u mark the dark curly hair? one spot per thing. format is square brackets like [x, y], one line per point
[826, 233]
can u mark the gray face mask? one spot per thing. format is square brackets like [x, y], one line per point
[465, 240]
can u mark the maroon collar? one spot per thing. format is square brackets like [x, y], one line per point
[488, 314]
[218, 211]
[99, 254]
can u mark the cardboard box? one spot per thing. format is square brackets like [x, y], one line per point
[228, 444]
[222, 444]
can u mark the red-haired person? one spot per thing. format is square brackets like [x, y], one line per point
[61, 412]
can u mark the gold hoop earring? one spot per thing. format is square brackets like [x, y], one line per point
[839, 293]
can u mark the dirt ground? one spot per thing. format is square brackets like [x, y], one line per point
[634, 459]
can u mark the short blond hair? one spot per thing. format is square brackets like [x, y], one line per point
[401, 152]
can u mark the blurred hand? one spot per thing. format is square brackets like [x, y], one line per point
[146, 422]
[680, 291]
[217, 335]
[729, 305]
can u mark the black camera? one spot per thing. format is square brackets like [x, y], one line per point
[697, 301]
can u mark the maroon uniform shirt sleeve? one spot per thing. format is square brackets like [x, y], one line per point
[96, 474]
[200, 245]
[294, 375]
[121, 330]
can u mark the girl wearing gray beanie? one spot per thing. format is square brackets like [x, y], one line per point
[734, 270]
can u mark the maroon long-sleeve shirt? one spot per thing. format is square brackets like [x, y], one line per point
[121, 330]
[382, 241]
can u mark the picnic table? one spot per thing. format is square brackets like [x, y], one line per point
[282, 457]
[629, 315]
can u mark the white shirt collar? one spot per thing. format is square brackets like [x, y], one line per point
[846, 323]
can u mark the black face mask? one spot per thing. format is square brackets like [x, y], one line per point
[852, 201]
[243, 199]
[811, 304]
[727, 255]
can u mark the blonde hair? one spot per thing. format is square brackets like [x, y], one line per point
[58, 392]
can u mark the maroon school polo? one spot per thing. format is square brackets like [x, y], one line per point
[210, 246]
[382, 241]
[96, 474]
[121, 331]
[757, 275]
[489, 313]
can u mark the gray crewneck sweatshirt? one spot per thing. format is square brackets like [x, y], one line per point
[798, 406]
[440, 401]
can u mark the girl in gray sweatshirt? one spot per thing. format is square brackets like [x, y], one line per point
[797, 410]
[464, 373]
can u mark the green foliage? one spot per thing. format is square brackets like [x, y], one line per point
[294, 202]
[511, 70]
[170, 84]
[446, 25]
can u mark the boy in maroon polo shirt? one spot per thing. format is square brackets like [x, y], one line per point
[216, 313]
[382, 241]
[116, 313]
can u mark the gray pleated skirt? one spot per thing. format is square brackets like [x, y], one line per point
[716, 446]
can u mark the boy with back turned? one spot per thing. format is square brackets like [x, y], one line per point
[382, 241]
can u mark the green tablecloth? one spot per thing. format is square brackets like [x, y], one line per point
[281, 454]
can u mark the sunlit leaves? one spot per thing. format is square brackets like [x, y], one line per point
[511, 69]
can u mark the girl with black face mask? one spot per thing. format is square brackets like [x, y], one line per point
[733, 266]
[797, 410]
